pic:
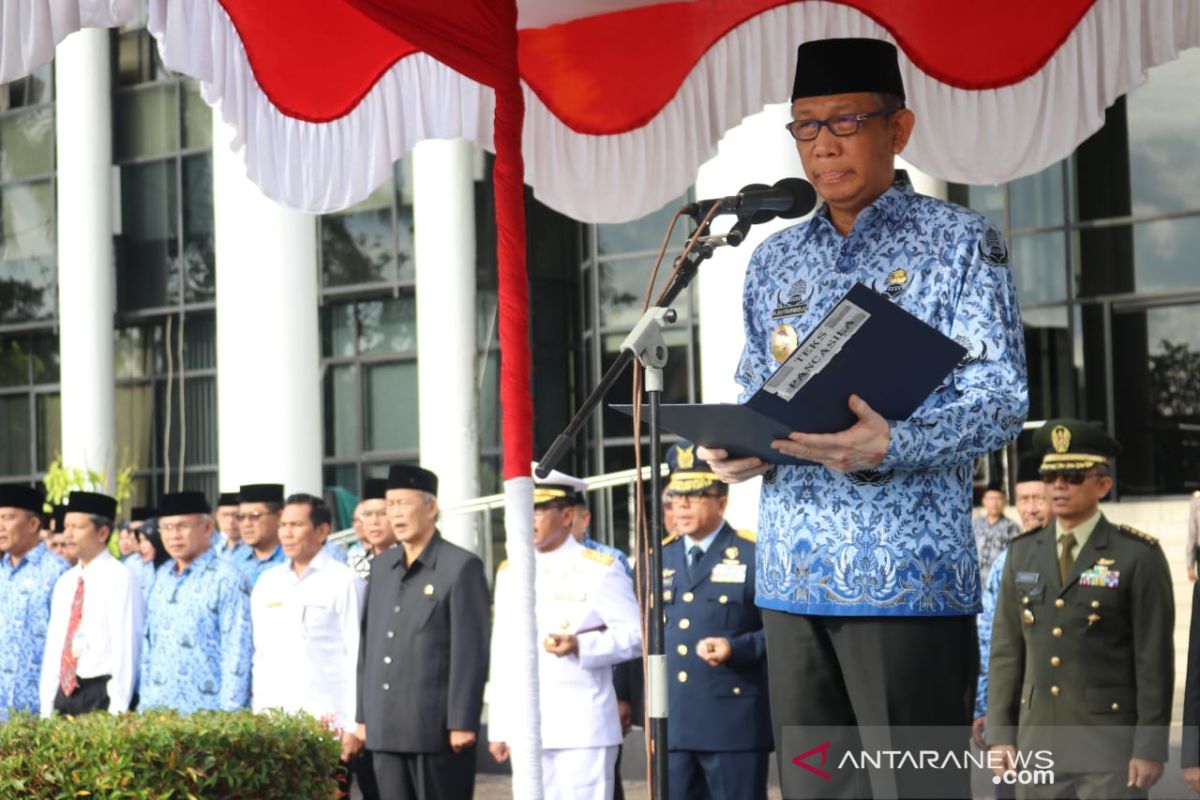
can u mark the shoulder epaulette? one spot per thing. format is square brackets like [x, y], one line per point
[1135, 533]
[1024, 534]
[749, 536]
[670, 539]
[596, 555]
[502, 565]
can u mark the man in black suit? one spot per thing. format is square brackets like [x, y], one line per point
[423, 657]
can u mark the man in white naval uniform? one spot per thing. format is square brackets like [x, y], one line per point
[588, 620]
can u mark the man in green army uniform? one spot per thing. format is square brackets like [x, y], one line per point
[1082, 662]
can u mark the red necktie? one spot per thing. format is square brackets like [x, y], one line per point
[67, 678]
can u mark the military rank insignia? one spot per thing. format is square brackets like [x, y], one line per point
[1100, 576]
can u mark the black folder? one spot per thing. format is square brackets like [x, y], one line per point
[866, 345]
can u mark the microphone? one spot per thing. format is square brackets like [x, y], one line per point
[789, 198]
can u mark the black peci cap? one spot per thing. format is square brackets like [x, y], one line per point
[843, 66]
[406, 476]
[100, 505]
[177, 504]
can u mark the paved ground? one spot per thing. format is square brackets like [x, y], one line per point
[498, 787]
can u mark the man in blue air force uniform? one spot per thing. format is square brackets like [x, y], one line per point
[866, 562]
[719, 734]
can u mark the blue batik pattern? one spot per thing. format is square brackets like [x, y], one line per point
[198, 642]
[895, 540]
[250, 565]
[25, 593]
[991, 593]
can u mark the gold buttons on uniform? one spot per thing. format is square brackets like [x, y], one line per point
[1095, 604]
[387, 659]
[1116, 706]
[1027, 617]
[688, 597]
[1059, 603]
[682, 649]
[682, 677]
[723, 599]
[1025, 600]
[1055, 661]
[1056, 633]
[684, 624]
[1054, 691]
[737, 690]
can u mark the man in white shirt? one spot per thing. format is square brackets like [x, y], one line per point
[94, 639]
[306, 616]
[589, 620]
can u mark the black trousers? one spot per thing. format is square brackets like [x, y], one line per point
[91, 695]
[425, 776]
[870, 681]
[362, 767]
[699, 775]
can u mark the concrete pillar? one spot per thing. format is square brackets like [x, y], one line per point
[447, 358]
[756, 151]
[268, 350]
[86, 271]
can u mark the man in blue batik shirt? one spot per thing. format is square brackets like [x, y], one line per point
[258, 520]
[866, 562]
[28, 572]
[198, 646]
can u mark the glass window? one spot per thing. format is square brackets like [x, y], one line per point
[642, 234]
[337, 330]
[1157, 354]
[27, 252]
[197, 118]
[137, 54]
[199, 256]
[989, 201]
[343, 475]
[623, 289]
[1050, 362]
[49, 428]
[391, 413]
[45, 359]
[388, 326]
[341, 410]
[147, 121]
[489, 412]
[14, 362]
[1165, 254]
[358, 245]
[148, 247]
[1039, 266]
[31, 90]
[1164, 172]
[27, 143]
[1036, 201]
[14, 435]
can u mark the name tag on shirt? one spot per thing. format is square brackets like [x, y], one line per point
[728, 573]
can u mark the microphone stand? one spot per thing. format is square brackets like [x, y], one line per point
[645, 343]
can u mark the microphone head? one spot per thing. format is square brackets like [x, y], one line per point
[803, 194]
[763, 214]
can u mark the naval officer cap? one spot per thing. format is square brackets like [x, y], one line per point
[689, 474]
[26, 498]
[1073, 445]
[845, 66]
[557, 487]
[178, 504]
[375, 489]
[407, 476]
[261, 493]
[94, 503]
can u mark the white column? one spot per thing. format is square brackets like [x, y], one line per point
[756, 151]
[268, 352]
[86, 272]
[444, 245]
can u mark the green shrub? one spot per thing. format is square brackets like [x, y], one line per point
[212, 755]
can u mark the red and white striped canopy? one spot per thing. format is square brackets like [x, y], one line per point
[608, 107]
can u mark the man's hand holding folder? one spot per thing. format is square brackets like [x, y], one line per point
[861, 446]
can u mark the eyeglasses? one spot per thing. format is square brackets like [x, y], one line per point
[253, 516]
[805, 130]
[171, 527]
[1073, 478]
